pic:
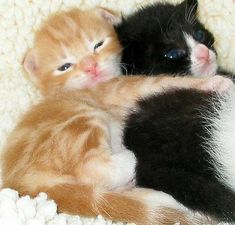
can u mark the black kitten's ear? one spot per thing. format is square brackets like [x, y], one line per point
[190, 6]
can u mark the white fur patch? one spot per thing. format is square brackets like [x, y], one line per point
[123, 160]
[221, 146]
[123, 174]
[198, 68]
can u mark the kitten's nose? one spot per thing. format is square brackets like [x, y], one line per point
[202, 52]
[92, 69]
[90, 66]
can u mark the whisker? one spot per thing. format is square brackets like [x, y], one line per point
[124, 68]
[190, 13]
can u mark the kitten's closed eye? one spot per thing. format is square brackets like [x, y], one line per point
[65, 67]
[199, 35]
[175, 54]
[99, 44]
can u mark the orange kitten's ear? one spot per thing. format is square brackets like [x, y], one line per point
[113, 17]
[31, 65]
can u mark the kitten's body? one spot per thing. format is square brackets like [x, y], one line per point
[69, 145]
[166, 38]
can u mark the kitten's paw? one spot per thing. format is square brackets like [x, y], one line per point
[124, 163]
[217, 83]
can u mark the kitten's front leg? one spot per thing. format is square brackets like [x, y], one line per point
[125, 91]
[216, 83]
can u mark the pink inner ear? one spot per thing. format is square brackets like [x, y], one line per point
[30, 62]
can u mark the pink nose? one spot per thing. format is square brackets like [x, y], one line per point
[92, 69]
[90, 66]
[202, 52]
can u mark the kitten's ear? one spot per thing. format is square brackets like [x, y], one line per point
[190, 6]
[31, 65]
[112, 17]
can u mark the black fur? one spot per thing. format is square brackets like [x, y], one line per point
[151, 32]
[167, 133]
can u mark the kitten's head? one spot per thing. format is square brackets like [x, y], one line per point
[74, 49]
[166, 38]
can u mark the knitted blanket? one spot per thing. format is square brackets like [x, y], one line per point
[18, 21]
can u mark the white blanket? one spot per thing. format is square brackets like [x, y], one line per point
[38, 211]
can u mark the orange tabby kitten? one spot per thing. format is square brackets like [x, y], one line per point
[69, 145]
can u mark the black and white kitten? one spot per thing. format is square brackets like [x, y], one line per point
[179, 149]
[167, 38]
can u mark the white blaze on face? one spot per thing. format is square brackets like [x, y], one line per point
[203, 59]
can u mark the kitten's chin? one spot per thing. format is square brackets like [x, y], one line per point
[99, 79]
[94, 81]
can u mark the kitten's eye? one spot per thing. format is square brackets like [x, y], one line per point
[175, 54]
[65, 67]
[199, 35]
[99, 44]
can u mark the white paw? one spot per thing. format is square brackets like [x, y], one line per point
[124, 163]
[217, 83]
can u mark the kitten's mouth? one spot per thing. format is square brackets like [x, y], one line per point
[103, 74]
[99, 76]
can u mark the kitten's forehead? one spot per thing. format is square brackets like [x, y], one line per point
[73, 26]
[71, 34]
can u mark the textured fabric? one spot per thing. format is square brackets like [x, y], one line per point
[15, 210]
[20, 18]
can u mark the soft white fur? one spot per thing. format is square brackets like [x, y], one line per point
[222, 144]
[18, 21]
